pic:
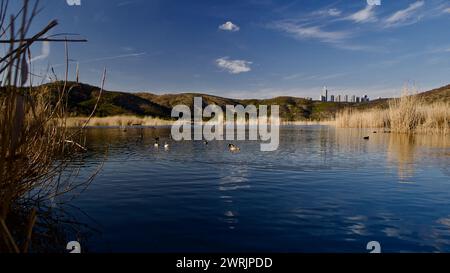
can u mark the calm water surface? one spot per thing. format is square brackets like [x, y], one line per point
[323, 190]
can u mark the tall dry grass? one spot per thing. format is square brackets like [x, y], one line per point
[121, 121]
[353, 118]
[407, 114]
[404, 113]
[36, 146]
[127, 120]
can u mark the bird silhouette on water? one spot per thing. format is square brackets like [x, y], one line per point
[233, 148]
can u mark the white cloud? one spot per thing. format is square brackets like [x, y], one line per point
[334, 12]
[233, 66]
[229, 26]
[337, 39]
[365, 15]
[327, 12]
[447, 10]
[403, 16]
[311, 32]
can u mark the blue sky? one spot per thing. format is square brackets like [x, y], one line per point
[253, 48]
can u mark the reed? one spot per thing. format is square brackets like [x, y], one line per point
[407, 114]
[36, 146]
[404, 114]
[128, 120]
[117, 121]
[309, 122]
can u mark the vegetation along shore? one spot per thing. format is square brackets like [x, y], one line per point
[426, 112]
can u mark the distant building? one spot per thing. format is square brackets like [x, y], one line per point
[324, 96]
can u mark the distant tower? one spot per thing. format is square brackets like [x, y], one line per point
[325, 93]
[332, 98]
[346, 98]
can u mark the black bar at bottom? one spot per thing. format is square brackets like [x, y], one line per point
[219, 262]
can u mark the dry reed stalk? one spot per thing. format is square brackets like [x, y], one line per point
[31, 222]
[35, 147]
[403, 113]
[407, 114]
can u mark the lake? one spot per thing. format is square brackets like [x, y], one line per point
[324, 190]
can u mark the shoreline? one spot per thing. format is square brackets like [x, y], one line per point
[135, 121]
[149, 122]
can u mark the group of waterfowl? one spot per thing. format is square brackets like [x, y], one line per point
[385, 131]
[231, 147]
[156, 144]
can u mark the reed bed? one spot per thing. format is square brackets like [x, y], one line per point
[126, 121]
[308, 122]
[407, 114]
[117, 121]
[36, 146]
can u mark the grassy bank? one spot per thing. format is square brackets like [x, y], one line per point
[126, 121]
[407, 114]
[122, 120]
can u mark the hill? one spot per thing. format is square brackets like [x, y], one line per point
[439, 94]
[83, 97]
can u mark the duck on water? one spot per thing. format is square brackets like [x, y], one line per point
[233, 148]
